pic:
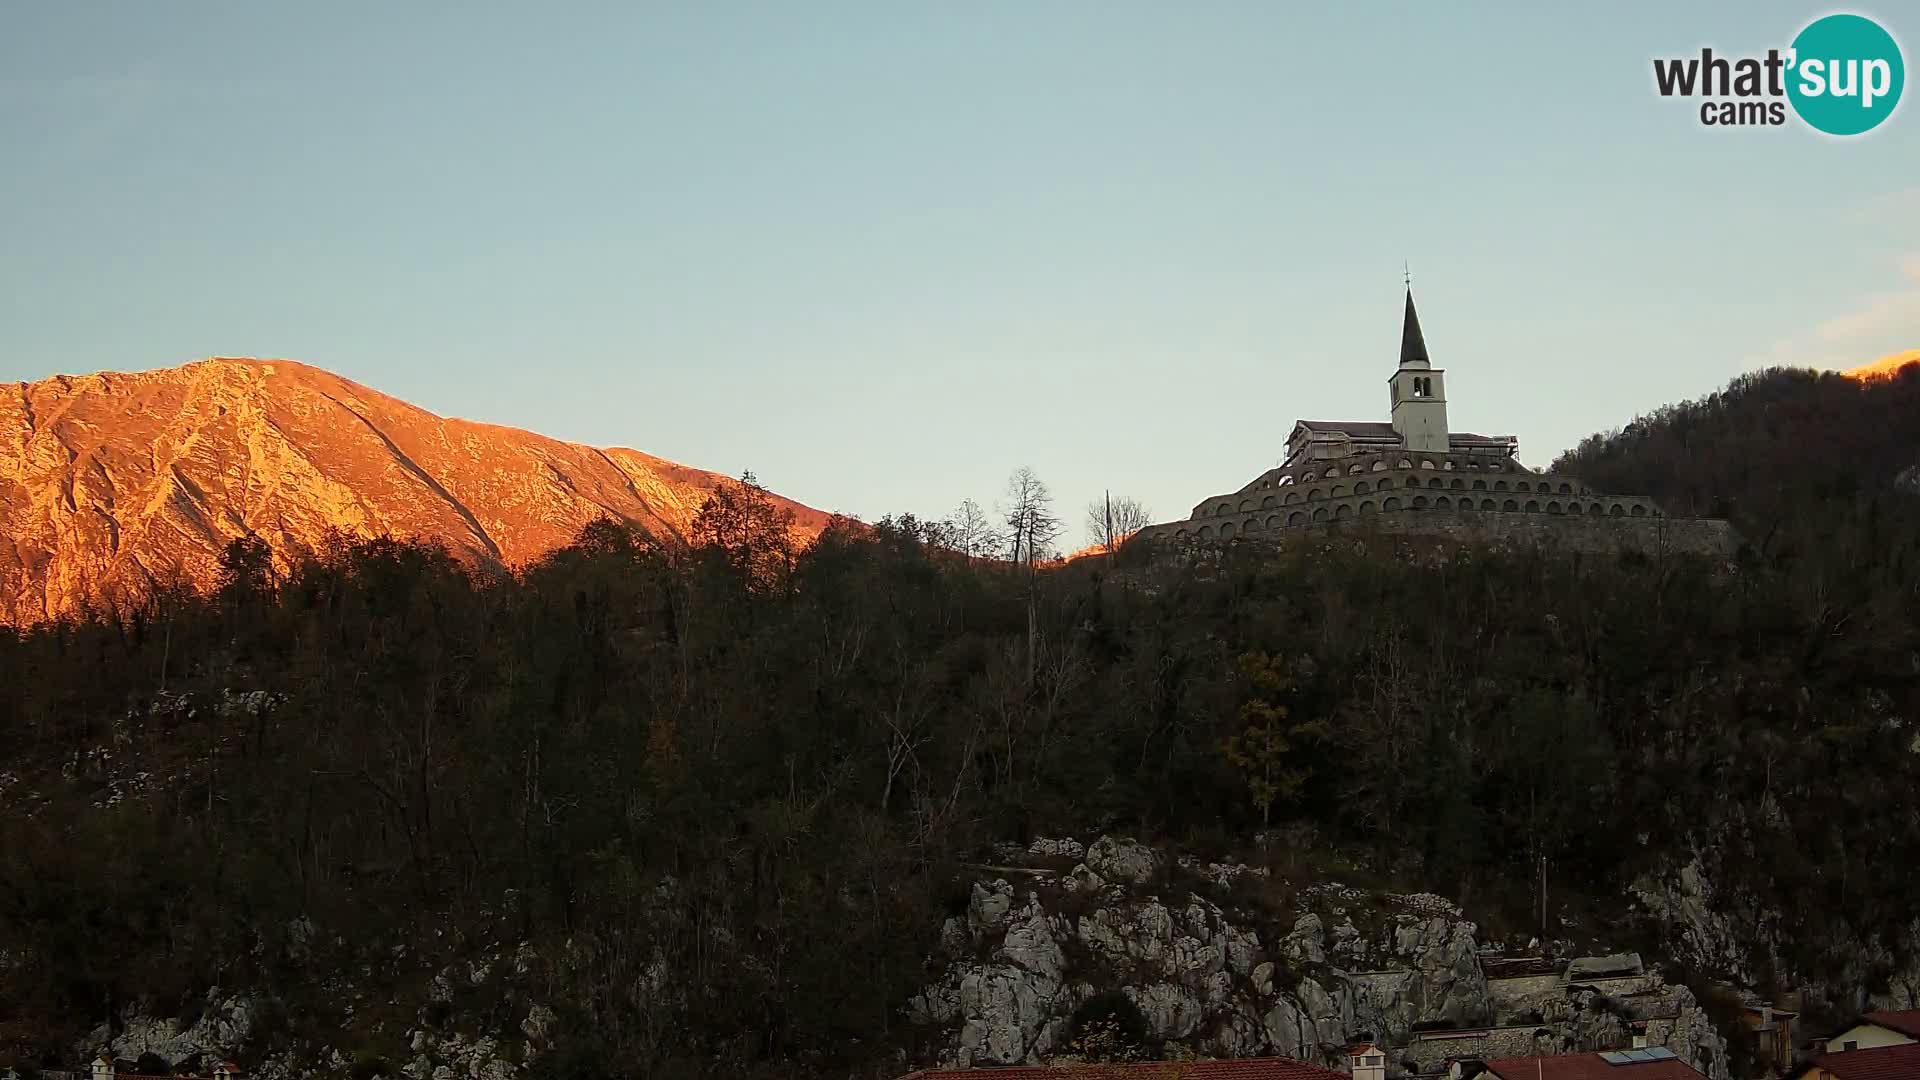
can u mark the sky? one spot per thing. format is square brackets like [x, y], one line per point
[883, 253]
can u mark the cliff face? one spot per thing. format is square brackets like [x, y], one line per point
[1213, 975]
[111, 482]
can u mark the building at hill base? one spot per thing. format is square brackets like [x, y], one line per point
[1413, 476]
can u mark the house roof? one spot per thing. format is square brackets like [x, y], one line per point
[1237, 1069]
[1881, 1063]
[1589, 1067]
[1904, 1021]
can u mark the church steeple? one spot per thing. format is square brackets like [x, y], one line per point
[1413, 346]
[1419, 391]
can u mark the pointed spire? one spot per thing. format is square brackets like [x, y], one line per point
[1413, 347]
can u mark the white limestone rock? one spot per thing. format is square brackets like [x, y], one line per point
[1120, 859]
[988, 908]
[1065, 847]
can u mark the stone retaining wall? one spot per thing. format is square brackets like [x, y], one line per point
[1588, 534]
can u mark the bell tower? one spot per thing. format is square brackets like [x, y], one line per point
[1419, 391]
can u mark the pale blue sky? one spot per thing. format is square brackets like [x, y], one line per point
[882, 253]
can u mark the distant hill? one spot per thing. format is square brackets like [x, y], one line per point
[113, 481]
[1887, 366]
[1769, 448]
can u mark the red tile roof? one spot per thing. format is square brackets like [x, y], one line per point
[1589, 1067]
[1904, 1021]
[1881, 1063]
[1237, 1069]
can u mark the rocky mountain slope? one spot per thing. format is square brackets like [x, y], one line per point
[111, 482]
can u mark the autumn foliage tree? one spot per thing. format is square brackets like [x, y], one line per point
[751, 532]
[1272, 747]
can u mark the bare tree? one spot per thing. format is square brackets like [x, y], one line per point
[1112, 520]
[969, 531]
[1032, 526]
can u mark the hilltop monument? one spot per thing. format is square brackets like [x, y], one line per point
[1413, 474]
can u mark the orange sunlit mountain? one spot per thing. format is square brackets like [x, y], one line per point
[1886, 367]
[112, 481]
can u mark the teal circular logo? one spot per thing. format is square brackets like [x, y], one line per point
[1845, 74]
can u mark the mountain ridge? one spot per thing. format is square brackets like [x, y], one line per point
[113, 481]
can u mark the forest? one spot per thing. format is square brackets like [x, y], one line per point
[724, 788]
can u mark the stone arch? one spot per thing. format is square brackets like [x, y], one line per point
[1390, 504]
[1487, 504]
[1447, 465]
[1533, 506]
[1226, 529]
[1639, 511]
[1509, 505]
[1344, 510]
[1253, 525]
[1499, 485]
[1553, 507]
[1435, 482]
[1180, 534]
[1356, 469]
[1443, 503]
[1338, 491]
[1458, 484]
[1426, 463]
[1403, 463]
[1273, 521]
[1479, 485]
[1283, 481]
[1380, 465]
[1566, 489]
[1320, 514]
[1206, 532]
[1290, 497]
[1464, 504]
[1595, 509]
[1296, 518]
[1246, 505]
[1367, 507]
[1617, 511]
[1360, 487]
[1312, 495]
[1419, 502]
[1267, 503]
[1223, 508]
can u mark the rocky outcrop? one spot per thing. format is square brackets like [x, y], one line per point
[1729, 932]
[1229, 981]
[223, 1026]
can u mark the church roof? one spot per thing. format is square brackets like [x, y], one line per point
[1413, 345]
[1380, 429]
[1351, 427]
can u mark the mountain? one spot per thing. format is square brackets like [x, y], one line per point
[1886, 367]
[113, 481]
